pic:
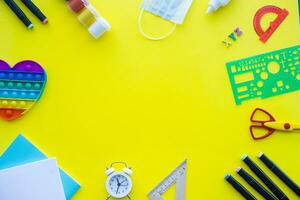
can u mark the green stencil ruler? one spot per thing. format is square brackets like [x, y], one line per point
[265, 75]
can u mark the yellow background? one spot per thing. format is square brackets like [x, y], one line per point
[151, 104]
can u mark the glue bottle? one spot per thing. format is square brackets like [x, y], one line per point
[215, 5]
[99, 26]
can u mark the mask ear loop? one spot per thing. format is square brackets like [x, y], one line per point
[148, 36]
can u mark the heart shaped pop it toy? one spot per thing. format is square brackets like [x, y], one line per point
[20, 87]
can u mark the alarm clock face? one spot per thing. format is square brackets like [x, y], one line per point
[118, 185]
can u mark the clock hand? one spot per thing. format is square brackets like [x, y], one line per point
[124, 185]
[118, 189]
[119, 184]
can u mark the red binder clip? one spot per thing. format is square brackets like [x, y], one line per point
[281, 15]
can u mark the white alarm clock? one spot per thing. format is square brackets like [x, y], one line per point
[118, 183]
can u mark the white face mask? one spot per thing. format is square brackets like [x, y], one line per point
[171, 10]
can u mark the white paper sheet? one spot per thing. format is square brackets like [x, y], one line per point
[35, 181]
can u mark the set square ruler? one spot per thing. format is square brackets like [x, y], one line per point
[178, 177]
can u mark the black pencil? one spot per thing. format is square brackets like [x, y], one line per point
[35, 10]
[238, 187]
[19, 13]
[279, 173]
[255, 184]
[265, 179]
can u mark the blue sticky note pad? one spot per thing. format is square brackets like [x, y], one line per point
[22, 151]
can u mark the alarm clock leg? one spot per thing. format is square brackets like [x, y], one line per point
[108, 197]
[128, 197]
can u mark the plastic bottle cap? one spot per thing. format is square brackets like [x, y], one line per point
[99, 27]
[209, 10]
[216, 4]
[76, 5]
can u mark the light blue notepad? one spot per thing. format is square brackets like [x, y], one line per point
[21, 151]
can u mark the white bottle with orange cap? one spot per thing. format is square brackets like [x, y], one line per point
[216, 4]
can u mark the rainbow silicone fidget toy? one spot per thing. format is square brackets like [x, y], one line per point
[265, 75]
[20, 87]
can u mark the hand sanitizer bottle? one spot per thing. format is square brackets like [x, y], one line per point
[216, 4]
